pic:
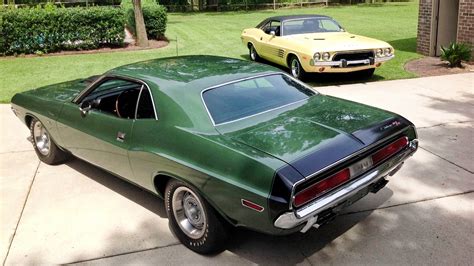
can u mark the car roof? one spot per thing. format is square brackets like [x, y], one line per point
[176, 83]
[193, 72]
[289, 17]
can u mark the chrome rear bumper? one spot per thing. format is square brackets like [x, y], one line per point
[309, 213]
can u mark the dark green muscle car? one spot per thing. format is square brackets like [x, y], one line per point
[225, 142]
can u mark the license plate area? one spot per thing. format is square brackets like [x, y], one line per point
[360, 166]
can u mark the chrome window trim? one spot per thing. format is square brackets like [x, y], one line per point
[138, 101]
[98, 81]
[292, 196]
[249, 78]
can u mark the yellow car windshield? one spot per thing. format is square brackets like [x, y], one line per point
[310, 25]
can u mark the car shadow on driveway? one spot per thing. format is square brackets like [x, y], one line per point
[134, 193]
[252, 246]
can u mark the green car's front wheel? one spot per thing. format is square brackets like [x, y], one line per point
[194, 222]
[47, 151]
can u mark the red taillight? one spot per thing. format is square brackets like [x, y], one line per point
[344, 175]
[316, 189]
[389, 150]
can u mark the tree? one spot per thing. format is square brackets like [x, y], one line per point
[142, 39]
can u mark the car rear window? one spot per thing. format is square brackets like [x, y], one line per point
[249, 97]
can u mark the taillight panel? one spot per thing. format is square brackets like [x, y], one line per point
[317, 189]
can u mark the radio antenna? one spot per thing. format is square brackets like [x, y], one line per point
[177, 49]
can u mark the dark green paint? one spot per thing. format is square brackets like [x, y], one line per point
[227, 163]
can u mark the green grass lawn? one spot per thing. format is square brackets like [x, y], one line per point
[219, 34]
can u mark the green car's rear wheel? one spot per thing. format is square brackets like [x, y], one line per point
[194, 222]
[47, 151]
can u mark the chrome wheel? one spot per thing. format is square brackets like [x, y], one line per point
[295, 68]
[189, 212]
[41, 138]
[253, 53]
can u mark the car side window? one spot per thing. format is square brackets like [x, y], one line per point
[266, 27]
[115, 96]
[276, 27]
[145, 107]
[273, 25]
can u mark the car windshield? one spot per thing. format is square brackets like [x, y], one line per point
[310, 25]
[253, 96]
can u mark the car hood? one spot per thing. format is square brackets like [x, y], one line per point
[337, 41]
[324, 128]
[62, 92]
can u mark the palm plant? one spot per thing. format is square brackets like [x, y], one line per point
[455, 53]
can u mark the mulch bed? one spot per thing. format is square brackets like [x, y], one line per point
[433, 66]
[153, 44]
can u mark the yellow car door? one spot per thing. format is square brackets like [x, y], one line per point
[270, 43]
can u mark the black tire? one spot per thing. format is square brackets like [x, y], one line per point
[253, 53]
[296, 70]
[47, 151]
[211, 237]
[367, 73]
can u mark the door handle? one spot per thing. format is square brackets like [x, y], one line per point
[120, 136]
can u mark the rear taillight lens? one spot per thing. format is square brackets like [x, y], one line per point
[316, 189]
[346, 174]
[390, 150]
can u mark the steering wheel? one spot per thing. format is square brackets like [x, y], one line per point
[122, 104]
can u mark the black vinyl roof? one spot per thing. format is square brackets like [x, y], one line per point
[283, 18]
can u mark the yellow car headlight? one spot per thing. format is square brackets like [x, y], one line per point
[387, 51]
[317, 56]
[379, 52]
[326, 56]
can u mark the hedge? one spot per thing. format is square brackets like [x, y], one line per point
[154, 15]
[51, 29]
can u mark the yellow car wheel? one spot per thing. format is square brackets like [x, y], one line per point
[296, 70]
[253, 53]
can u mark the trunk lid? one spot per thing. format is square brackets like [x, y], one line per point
[320, 132]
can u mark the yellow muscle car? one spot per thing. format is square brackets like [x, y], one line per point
[314, 43]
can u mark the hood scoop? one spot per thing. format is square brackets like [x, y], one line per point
[319, 39]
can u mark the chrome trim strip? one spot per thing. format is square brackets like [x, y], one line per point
[353, 62]
[339, 63]
[294, 218]
[248, 78]
[338, 162]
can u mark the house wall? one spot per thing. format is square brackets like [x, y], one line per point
[466, 23]
[427, 33]
[424, 27]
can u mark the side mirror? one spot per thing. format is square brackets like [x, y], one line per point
[85, 107]
[272, 33]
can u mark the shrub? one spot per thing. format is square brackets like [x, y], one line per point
[50, 29]
[455, 53]
[154, 15]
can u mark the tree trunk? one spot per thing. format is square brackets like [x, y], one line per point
[142, 39]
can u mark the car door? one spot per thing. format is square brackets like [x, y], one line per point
[147, 140]
[99, 134]
[272, 42]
